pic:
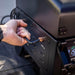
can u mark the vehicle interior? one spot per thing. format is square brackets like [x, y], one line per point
[54, 22]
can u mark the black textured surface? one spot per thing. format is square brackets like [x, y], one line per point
[11, 63]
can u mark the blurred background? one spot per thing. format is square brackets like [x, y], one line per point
[6, 6]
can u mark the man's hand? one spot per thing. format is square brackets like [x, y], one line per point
[14, 32]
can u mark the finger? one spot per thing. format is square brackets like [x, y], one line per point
[18, 29]
[23, 41]
[24, 34]
[21, 23]
[20, 41]
[21, 28]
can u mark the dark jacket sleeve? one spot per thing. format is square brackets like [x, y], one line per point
[1, 34]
